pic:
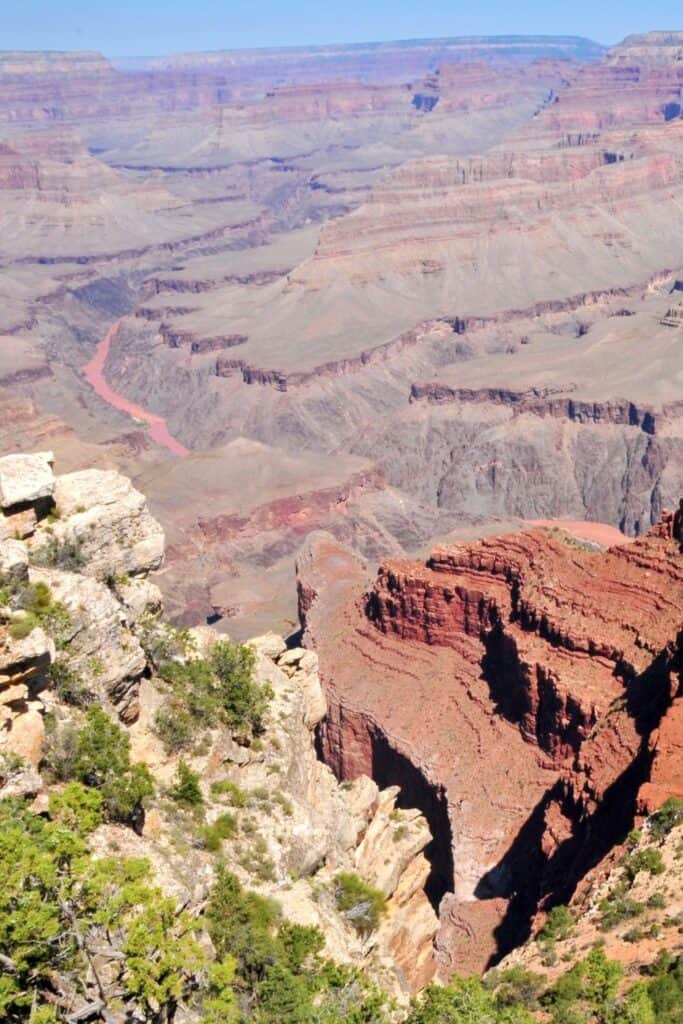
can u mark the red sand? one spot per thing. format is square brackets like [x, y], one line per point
[93, 372]
[598, 533]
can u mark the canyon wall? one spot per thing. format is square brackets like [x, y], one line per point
[532, 682]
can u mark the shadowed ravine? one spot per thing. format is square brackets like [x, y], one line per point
[94, 374]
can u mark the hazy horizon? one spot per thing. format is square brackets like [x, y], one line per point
[127, 29]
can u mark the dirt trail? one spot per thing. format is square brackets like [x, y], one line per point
[94, 374]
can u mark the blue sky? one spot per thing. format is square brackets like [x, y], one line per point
[142, 27]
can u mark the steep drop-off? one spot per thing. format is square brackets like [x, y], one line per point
[530, 680]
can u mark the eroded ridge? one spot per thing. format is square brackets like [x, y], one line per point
[534, 684]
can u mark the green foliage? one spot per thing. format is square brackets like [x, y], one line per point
[464, 1001]
[559, 924]
[161, 951]
[666, 989]
[64, 554]
[300, 944]
[616, 909]
[587, 991]
[667, 817]
[77, 808]
[284, 998]
[40, 609]
[57, 903]
[220, 1005]
[647, 860]
[186, 789]
[175, 728]
[213, 835]
[98, 755]
[359, 903]
[242, 925]
[68, 685]
[205, 694]
[22, 627]
[516, 987]
[279, 976]
[636, 1007]
[236, 796]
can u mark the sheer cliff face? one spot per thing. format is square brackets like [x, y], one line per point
[525, 688]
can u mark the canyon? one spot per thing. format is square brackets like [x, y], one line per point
[415, 258]
[562, 657]
[390, 336]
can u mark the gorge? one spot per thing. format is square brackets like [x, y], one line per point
[357, 369]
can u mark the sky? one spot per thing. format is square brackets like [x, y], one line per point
[150, 27]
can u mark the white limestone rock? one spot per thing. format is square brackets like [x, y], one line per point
[13, 560]
[102, 513]
[101, 647]
[26, 478]
[270, 644]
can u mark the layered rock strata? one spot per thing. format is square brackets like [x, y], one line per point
[528, 688]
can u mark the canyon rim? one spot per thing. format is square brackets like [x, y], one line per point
[341, 533]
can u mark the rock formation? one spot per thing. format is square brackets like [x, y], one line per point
[509, 648]
[77, 611]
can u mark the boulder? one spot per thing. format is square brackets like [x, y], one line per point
[25, 479]
[18, 525]
[13, 560]
[19, 659]
[27, 734]
[270, 644]
[139, 597]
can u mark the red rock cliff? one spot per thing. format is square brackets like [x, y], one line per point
[523, 690]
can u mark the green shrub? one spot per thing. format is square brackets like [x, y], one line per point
[617, 909]
[586, 991]
[283, 997]
[558, 926]
[36, 600]
[98, 755]
[205, 694]
[224, 827]
[56, 901]
[243, 700]
[68, 685]
[175, 728]
[19, 629]
[186, 789]
[647, 860]
[236, 796]
[463, 1001]
[284, 803]
[666, 993]
[64, 554]
[77, 807]
[360, 904]
[300, 944]
[667, 817]
[518, 987]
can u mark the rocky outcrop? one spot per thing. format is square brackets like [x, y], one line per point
[90, 543]
[106, 521]
[74, 617]
[331, 828]
[567, 659]
[25, 479]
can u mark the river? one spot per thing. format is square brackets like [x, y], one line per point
[94, 374]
